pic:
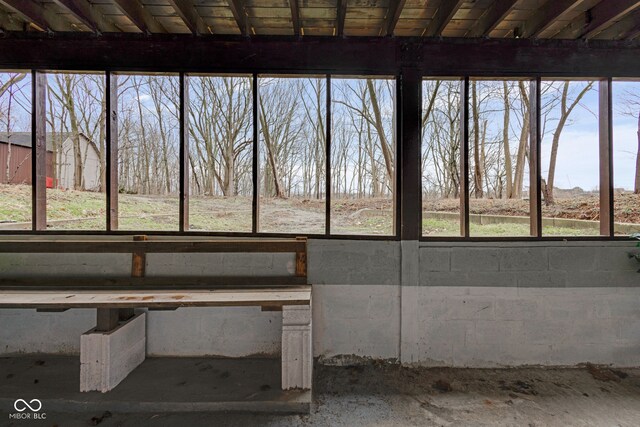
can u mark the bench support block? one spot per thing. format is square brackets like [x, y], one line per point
[297, 354]
[107, 357]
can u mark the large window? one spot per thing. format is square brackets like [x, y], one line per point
[15, 150]
[292, 143]
[626, 156]
[441, 157]
[75, 136]
[148, 152]
[570, 158]
[498, 160]
[362, 156]
[220, 153]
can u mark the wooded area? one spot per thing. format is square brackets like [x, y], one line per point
[292, 123]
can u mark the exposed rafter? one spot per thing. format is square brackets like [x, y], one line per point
[444, 14]
[186, 10]
[498, 10]
[598, 18]
[547, 15]
[34, 13]
[139, 16]
[341, 14]
[295, 16]
[240, 15]
[627, 28]
[87, 14]
[393, 14]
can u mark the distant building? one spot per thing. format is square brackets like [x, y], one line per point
[62, 176]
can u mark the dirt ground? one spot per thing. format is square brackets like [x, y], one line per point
[626, 207]
[381, 394]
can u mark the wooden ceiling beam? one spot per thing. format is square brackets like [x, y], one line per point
[627, 28]
[35, 14]
[444, 14]
[498, 10]
[240, 15]
[139, 16]
[547, 15]
[321, 55]
[295, 16]
[340, 17]
[597, 19]
[86, 13]
[187, 11]
[393, 14]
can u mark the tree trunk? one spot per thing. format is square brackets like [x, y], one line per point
[636, 189]
[477, 171]
[505, 141]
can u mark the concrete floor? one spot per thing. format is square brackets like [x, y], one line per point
[374, 394]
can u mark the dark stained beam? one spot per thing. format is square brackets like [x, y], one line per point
[39, 150]
[498, 10]
[240, 15]
[605, 131]
[139, 16]
[111, 175]
[37, 15]
[535, 176]
[548, 14]
[627, 28]
[321, 55]
[393, 14]
[86, 13]
[295, 16]
[187, 11]
[341, 14]
[598, 18]
[410, 146]
[445, 13]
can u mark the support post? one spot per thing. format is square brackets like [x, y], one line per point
[112, 150]
[606, 158]
[297, 352]
[107, 357]
[535, 176]
[39, 144]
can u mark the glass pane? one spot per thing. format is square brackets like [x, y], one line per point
[498, 158]
[76, 152]
[220, 153]
[15, 150]
[441, 157]
[292, 116]
[148, 150]
[626, 157]
[570, 158]
[362, 156]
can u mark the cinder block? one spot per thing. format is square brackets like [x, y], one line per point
[524, 259]
[474, 259]
[435, 259]
[106, 358]
[572, 259]
[297, 353]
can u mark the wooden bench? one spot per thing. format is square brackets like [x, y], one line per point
[111, 350]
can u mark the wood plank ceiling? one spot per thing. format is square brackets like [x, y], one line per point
[559, 19]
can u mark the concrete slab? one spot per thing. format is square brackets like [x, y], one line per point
[157, 385]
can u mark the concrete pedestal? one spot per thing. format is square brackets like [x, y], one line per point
[106, 358]
[297, 354]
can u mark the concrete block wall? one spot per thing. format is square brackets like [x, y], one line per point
[551, 303]
[444, 304]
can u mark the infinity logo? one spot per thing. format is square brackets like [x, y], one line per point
[26, 405]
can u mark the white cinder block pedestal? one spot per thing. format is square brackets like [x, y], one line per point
[297, 355]
[106, 358]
